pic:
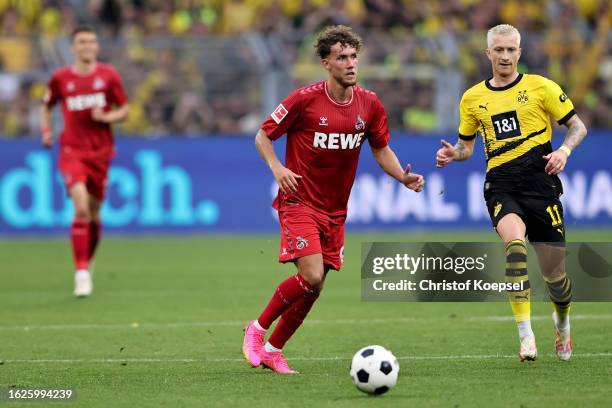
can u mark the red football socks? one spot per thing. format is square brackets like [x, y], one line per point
[79, 234]
[95, 231]
[292, 319]
[286, 294]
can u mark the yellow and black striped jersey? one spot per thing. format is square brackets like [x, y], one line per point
[514, 122]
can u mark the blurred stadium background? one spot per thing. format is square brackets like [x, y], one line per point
[203, 74]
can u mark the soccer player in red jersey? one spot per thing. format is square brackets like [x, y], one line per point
[92, 98]
[326, 123]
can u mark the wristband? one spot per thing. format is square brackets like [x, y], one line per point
[566, 149]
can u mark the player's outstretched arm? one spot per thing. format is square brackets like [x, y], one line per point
[112, 116]
[459, 152]
[45, 126]
[576, 132]
[285, 178]
[387, 160]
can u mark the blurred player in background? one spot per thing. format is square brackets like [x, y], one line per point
[326, 124]
[92, 98]
[512, 112]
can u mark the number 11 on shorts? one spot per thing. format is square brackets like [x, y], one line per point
[553, 211]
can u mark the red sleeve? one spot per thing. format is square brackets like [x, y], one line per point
[52, 94]
[378, 134]
[284, 116]
[117, 93]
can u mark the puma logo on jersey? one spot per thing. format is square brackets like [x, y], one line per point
[484, 106]
[342, 141]
[82, 102]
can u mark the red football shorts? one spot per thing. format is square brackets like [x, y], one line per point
[92, 172]
[305, 231]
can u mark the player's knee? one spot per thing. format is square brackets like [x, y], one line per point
[316, 282]
[553, 272]
[317, 288]
[94, 217]
[94, 209]
[314, 277]
[511, 228]
[82, 213]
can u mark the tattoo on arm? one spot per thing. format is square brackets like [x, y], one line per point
[461, 151]
[575, 134]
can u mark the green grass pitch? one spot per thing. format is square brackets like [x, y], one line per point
[164, 328]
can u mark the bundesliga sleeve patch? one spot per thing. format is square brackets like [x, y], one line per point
[279, 113]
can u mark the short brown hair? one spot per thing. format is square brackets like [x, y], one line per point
[336, 34]
[81, 29]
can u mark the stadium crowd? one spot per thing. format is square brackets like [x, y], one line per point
[196, 67]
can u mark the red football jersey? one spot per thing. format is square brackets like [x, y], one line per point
[79, 93]
[324, 139]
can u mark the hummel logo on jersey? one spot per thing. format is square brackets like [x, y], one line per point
[342, 141]
[484, 106]
[82, 102]
[323, 121]
[360, 125]
[279, 113]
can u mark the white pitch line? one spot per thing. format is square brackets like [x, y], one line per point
[171, 325]
[236, 360]
[572, 317]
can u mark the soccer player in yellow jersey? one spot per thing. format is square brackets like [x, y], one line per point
[512, 113]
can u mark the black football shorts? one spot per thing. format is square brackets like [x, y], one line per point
[543, 216]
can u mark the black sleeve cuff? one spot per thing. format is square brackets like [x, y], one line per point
[467, 138]
[567, 117]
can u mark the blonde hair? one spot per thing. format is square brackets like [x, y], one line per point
[502, 29]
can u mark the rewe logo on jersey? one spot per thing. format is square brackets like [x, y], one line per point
[342, 141]
[82, 102]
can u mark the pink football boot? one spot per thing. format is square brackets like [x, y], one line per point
[252, 345]
[276, 362]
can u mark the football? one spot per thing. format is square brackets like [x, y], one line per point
[374, 370]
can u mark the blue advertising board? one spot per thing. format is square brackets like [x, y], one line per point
[219, 184]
